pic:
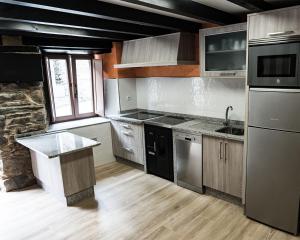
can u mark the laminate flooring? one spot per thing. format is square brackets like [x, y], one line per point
[129, 205]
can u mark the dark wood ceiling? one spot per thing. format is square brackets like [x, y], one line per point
[94, 25]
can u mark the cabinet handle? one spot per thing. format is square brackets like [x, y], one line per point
[280, 33]
[220, 151]
[151, 153]
[127, 149]
[225, 152]
[154, 145]
[127, 134]
[227, 74]
[126, 126]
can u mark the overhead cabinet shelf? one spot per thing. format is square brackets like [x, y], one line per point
[167, 50]
[223, 51]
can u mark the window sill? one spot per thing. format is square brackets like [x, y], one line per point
[77, 124]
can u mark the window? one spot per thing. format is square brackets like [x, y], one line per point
[71, 86]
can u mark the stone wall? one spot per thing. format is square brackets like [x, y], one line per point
[22, 110]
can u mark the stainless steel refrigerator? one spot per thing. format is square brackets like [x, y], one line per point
[273, 158]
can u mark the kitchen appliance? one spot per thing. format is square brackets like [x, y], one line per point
[20, 64]
[188, 160]
[168, 120]
[159, 151]
[142, 115]
[274, 65]
[159, 145]
[273, 158]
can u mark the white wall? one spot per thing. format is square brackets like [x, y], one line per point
[196, 96]
[128, 94]
[111, 96]
[101, 132]
[119, 95]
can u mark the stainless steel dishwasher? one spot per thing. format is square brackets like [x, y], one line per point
[188, 161]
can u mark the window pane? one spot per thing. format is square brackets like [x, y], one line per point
[60, 87]
[84, 86]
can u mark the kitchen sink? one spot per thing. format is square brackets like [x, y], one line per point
[231, 130]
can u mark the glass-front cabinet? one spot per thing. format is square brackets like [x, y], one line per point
[223, 51]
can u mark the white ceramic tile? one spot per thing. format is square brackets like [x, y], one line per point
[197, 96]
[127, 94]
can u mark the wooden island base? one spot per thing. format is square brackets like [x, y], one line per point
[69, 177]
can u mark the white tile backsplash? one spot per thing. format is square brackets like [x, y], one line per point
[197, 96]
[127, 94]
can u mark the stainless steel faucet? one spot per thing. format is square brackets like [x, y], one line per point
[227, 121]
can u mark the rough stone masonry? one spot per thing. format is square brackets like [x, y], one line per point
[22, 110]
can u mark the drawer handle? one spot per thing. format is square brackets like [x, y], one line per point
[127, 134]
[126, 126]
[128, 150]
[281, 33]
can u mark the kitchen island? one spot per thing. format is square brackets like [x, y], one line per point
[63, 164]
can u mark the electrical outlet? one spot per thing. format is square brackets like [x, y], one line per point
[128, 98]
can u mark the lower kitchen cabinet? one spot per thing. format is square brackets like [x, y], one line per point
[128, 141]
[223, 165]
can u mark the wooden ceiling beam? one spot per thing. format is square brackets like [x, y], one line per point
[18, 27]
[108, 11]
[189, 9]
[18, 12]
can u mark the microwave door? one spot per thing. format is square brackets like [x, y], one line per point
[274, 65]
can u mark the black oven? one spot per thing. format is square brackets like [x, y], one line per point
[275, 65]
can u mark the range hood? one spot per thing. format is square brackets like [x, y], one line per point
[166, 50]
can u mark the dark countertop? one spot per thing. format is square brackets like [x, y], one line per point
[199, 124]
[53, 145]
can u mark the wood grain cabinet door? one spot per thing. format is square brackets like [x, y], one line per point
[213, 163]
[282, 22]
[233, 168]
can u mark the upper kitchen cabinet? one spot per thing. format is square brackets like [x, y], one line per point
[282, 23]
[166, 50]
[223, 51]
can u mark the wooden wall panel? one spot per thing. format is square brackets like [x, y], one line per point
[164, 71]
[109, 59]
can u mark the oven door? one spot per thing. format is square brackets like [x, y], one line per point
[274, 65]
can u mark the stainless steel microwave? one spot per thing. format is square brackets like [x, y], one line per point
[276, 65]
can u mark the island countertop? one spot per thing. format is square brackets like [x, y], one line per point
[53, 145]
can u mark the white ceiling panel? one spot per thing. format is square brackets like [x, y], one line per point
[223, 5]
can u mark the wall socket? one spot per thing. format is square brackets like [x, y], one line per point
[129, 98]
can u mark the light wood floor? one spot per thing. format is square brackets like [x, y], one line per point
[129, 205]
